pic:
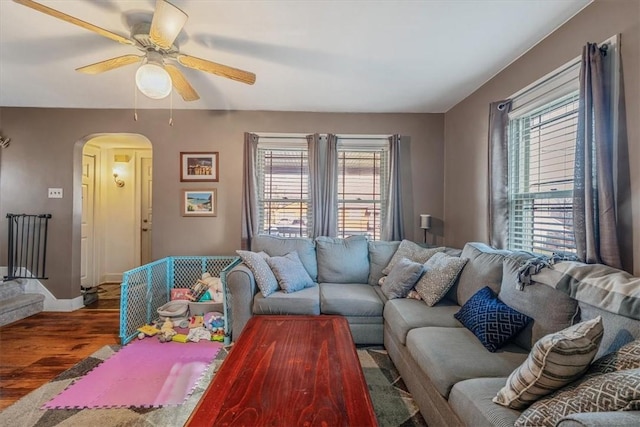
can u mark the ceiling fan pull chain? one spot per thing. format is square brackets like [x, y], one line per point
[171, 109]
[135, 102]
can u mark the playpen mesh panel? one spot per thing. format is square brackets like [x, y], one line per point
[146, 288]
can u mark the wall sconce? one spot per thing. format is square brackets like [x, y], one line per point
[425, 224]
[119, 182]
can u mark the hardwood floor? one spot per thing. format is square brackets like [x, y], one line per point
[35, 350]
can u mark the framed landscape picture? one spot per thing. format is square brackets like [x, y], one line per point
[199, 202]
[199, 167]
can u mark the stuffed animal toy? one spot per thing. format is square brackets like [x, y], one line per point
[166, 331]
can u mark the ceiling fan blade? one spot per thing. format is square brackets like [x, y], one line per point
[57, 14]
[166, 24]
[109, 64]
[218, 69]
[181, 84]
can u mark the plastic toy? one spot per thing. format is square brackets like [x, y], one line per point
[196, 322]
[148, 330]
[179, 338]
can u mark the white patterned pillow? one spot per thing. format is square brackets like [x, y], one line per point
[614, 391]
[290, 272]
[411, 251]
[440, 272]
[265, 279]
[554, 361]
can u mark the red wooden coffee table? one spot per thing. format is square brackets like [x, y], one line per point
[289, 371]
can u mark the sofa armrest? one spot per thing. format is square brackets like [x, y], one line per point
[600, 419]
[241, 288]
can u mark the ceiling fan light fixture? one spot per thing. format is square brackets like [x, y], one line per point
[153, 80]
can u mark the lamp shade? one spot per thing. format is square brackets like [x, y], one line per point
[425, 221]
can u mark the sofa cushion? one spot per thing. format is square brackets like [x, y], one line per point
[618, 330]
[441, 271]
[550, 309]
[484, 268]
[450, 355]
[306, 301]
[555, 360]
[402, 278]
[404, 314]
[290, 272]
[343, 260]
[279, 246]
[491, 320]
[413, 251]
[349, 299]
[471, 401]
[615, 391]
[380, 254]
[265, 279]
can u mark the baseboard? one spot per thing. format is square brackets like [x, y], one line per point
[112, 278]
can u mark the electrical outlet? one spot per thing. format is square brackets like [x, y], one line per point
[55, 193]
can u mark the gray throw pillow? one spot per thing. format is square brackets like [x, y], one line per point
[401, 279]
[265, 279]
[280, 246]
[441, 271]
[342, 260]
[412, 251]
[290, 272]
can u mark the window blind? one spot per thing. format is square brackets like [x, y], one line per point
[362, 186]
[284, 206]
[541, 165]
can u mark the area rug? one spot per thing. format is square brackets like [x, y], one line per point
[144, 373]
[392, 402]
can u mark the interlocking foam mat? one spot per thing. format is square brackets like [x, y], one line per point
[145, 373]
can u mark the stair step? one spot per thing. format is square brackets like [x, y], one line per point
[18, 307]
[10, 289]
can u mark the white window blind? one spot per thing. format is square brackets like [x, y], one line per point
[284, 206]
[362, 186]
[541, 166]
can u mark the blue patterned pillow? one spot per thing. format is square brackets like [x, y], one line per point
[491, 320]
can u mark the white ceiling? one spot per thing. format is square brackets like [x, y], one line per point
[335, 56]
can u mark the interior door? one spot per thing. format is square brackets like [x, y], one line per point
[87, 257]
[146, 206]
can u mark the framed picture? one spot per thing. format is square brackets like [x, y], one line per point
[199, 167]
[199, 202]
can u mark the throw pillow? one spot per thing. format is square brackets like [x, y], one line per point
[441, 271]
[290, 272]
[342, 260]
[401, 279]
[627, 357]
[256, 261]
[412, 251]
[491, 320]
[280, 246]
[554, 361]
[615, 391]
[380, 253]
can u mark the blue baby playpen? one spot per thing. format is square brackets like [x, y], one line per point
[146, 288]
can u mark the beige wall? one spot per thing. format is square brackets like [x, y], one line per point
[466, 125]
[46, 151]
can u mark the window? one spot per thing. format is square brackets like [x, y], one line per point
[283, 188]
[542, 157]
[362, 186]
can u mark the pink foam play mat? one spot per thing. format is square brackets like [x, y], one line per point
[145, 373]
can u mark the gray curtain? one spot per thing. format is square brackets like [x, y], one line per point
[249, 191]
[323, 171]
[594, 213]
[393, 227]
[498, 173]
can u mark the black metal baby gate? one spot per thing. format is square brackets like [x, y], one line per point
[27, 246]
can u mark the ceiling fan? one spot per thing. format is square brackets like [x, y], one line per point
[159, 71]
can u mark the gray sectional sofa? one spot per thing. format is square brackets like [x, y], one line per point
[450, 374]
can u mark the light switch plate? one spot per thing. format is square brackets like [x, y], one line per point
[55, 193]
